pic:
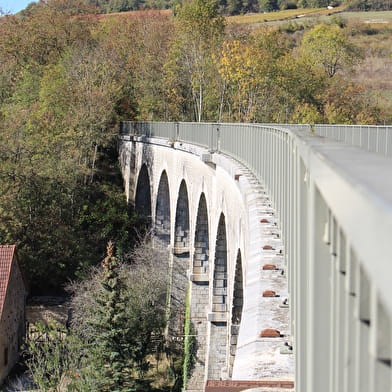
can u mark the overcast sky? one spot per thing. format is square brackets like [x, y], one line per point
[14, 6]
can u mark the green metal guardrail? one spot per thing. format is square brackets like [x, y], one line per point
[372, 138]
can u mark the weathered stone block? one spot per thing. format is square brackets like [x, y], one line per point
[270, 333]
[219, 307]
[269, 293]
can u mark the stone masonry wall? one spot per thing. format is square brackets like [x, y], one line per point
[179, 284]
[219, 294]
[181, 234]
[232, 192]
[162, 212]
[201, 253]
[199, 307]
[217, 366]
[236, 313]
[12, 323]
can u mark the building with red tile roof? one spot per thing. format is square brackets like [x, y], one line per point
[13, 293]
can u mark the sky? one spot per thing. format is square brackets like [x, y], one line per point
[14, 6]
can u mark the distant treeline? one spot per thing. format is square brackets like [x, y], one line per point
[233, 7]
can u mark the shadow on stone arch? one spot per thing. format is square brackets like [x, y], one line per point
[236, 310]
[181, 230]
[179, 266]
[162, 211]
[143, 194]
[217, 362]
[201, 254]
[219, 295]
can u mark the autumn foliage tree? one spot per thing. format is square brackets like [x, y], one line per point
[190, 69]
[328, 46]
[246, 73]
[57, 122]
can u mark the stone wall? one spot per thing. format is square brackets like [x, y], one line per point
[199, 309]
[236, 313]
[201, 247]
[215, 213]
[217, 360]
[12, 323]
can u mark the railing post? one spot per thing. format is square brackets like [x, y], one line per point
[218, 140]
[176, 131]
[211, 139]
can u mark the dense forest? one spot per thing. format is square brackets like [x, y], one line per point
[68, 77]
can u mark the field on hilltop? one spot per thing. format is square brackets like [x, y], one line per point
[282, 15]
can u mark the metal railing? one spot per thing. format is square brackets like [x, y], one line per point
[372, 138]
[334, 205]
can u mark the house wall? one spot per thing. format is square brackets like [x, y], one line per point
[12, 326]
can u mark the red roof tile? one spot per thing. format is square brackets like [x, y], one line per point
[7, 253]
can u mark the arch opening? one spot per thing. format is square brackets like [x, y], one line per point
[143, 193]
[219, 294]
[181, 231]
[201, 253]
[162, 211]
[217, 364]
[236, 310]
[179, 266]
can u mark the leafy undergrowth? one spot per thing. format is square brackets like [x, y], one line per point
[160, 374]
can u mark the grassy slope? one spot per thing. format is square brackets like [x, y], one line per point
[371, 31]
[374, 36]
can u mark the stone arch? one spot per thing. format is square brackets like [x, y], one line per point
[179, 266]
[236, 310]
[181, 229]
[201, 253]
[143, 193]
[219, 294]
[162, 210]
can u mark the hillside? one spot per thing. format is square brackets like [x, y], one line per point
[67, 78]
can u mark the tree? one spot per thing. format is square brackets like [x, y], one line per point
[328, 47]
[347, 103]
[268, 5]
[120, 312]
[118, 320]
[245, 71]
[54, 357]
[110, 332]
[298, 84]
[200, 31]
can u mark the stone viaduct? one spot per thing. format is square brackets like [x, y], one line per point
[212, 216]
[280, 280]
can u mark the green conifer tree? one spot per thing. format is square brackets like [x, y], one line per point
[113, 348]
